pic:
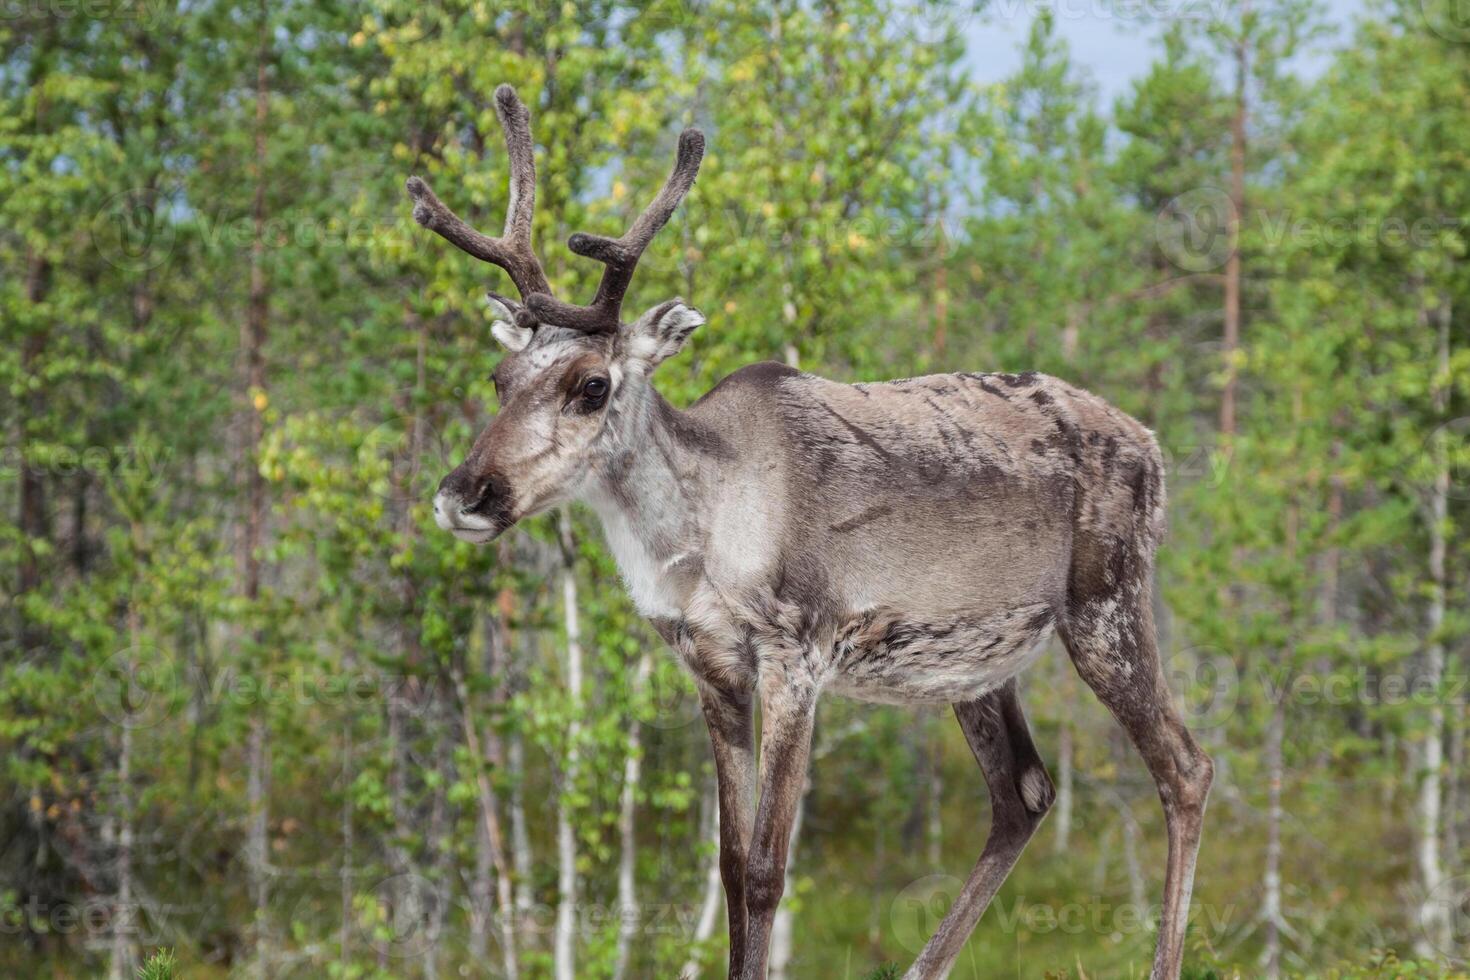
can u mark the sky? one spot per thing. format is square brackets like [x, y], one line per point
[1114, 46]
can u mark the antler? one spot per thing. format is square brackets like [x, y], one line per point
[512, 251]
[621, 255]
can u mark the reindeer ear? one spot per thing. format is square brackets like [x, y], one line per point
[505, 329]
[660, 333]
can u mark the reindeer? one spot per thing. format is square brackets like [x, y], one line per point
[904, 542]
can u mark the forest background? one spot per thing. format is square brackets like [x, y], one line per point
[256, 709]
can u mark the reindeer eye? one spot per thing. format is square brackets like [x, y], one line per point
[594, 389]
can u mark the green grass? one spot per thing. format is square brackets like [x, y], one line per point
[160, 966]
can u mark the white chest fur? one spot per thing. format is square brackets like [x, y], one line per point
[645, 576]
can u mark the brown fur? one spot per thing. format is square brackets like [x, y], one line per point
[911, 541]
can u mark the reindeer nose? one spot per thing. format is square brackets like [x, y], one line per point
[457, 485]
[466, 500]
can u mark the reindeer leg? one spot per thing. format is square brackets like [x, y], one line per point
[1111, 640]
[728, 715]
[1020, 794]
[788, 710]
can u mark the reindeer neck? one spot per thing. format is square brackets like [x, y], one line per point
[648, 491]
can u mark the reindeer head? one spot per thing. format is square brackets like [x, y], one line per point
[571, 372]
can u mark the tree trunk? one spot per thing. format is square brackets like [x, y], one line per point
[497, 663]
[253, 355]
[564, 949]
[123, 960]
[349, 834]
[31, 516]
[1066, 768]
[482, 896]
[1137, 887]
[441, 820]
[398, 764]
[1454, 787]
[783, 929]
[1238, 123]
[1331, 562]
[934, 832]
[1271, 914]
[407, 694]
[256, 843]
[490, 821]
[629, 914]
[709, 906]
[520, 834]
[939, 282]
[1065, 777]
[1434, 919]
